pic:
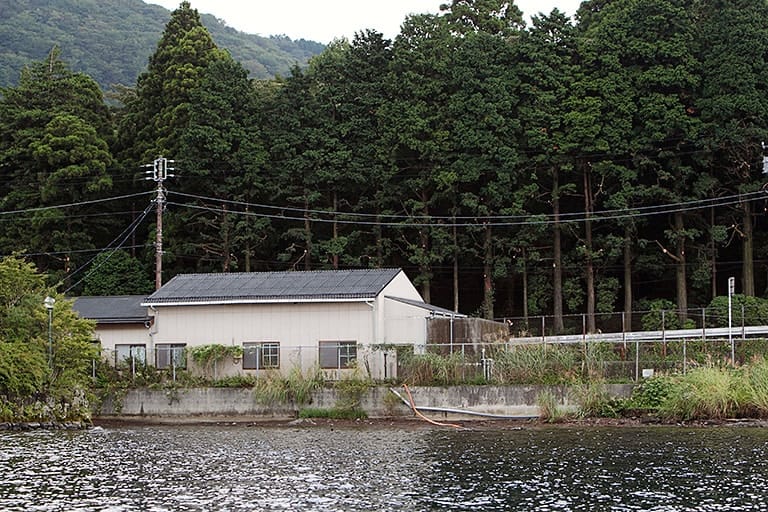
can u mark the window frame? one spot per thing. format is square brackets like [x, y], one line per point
[176, 355]
[344, 352]
[264, 351]
[131, 358]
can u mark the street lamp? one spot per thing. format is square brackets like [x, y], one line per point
[49, 302]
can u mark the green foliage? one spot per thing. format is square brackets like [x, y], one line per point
[755, 384]
[117, 273]
[549, 409]
[540, 364]
[431, 369]
[31, 382]
[136, 26]
[595, 402]
[351, 389]
[297, 388]
[749, 310]
[703, 393]
[469, 142]
[334, 413]
[206, 355]
[661, 314]
[651, 394]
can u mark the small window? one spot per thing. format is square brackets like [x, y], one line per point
[257, 356]
[171, 355]
[338, 354]
[130, 355]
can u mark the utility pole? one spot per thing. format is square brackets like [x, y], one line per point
[159, 174]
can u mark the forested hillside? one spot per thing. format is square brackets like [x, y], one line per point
[604, 164]
[111, 40]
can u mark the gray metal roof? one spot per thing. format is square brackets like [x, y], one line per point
[122, 309]
[435, 310]
[273, 286]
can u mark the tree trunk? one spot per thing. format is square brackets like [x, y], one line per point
[525, 288]
[747, 258]
[377, 233]
[713, 251]
[557, 257]
[226, 253]
[589, 270]
[455, 268]
[680, 273]
[247, 248]
[628, 242]
[488, 273]
[335, 256]
[307, 236]
[424, 268]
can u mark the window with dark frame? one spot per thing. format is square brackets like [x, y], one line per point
[261, 355]
[338, 354]
[171, 355]
[130, 354]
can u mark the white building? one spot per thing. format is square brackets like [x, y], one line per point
[336, 319]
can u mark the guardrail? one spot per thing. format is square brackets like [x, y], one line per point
[711, 333]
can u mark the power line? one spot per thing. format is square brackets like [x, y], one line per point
[127, 232]
[71, 205]
[478, 221]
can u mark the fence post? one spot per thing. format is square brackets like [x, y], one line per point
[543, 336]
[637, 360]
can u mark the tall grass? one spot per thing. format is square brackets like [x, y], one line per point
[433, 369]
[704, 393]
[549, 409]
[536, 364]
[296, 387]
[755, 377]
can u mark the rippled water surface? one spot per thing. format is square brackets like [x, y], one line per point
[378, 468]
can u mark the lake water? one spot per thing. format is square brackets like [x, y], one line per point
[239, 468]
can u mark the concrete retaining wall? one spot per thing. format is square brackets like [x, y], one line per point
[231, 404]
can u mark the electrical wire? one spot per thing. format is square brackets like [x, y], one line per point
[622, 212]
[71, 205]
[538, 220]
[127, 232]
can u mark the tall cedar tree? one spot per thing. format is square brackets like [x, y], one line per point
[732, 102]
[54, 137]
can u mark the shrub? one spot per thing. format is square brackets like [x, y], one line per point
[755, 311]
[661, 315]
[651, 394]
[595, 401]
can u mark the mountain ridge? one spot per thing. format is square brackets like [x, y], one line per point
[111, 40]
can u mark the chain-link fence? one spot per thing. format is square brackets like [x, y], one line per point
[741, 314]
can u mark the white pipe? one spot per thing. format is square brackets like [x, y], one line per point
[463, 411]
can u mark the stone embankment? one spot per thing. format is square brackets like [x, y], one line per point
[237, 404]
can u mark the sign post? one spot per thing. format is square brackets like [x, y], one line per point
[731, 289]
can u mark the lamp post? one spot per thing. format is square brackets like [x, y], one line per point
[49, 302]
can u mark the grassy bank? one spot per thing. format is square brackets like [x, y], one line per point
[711, 392]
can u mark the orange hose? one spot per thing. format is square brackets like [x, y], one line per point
[418, 413]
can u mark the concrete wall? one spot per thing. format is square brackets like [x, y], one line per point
[243, 405]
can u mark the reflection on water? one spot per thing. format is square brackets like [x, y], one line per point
[324, 469]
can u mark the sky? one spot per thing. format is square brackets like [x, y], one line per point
[325, 20]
